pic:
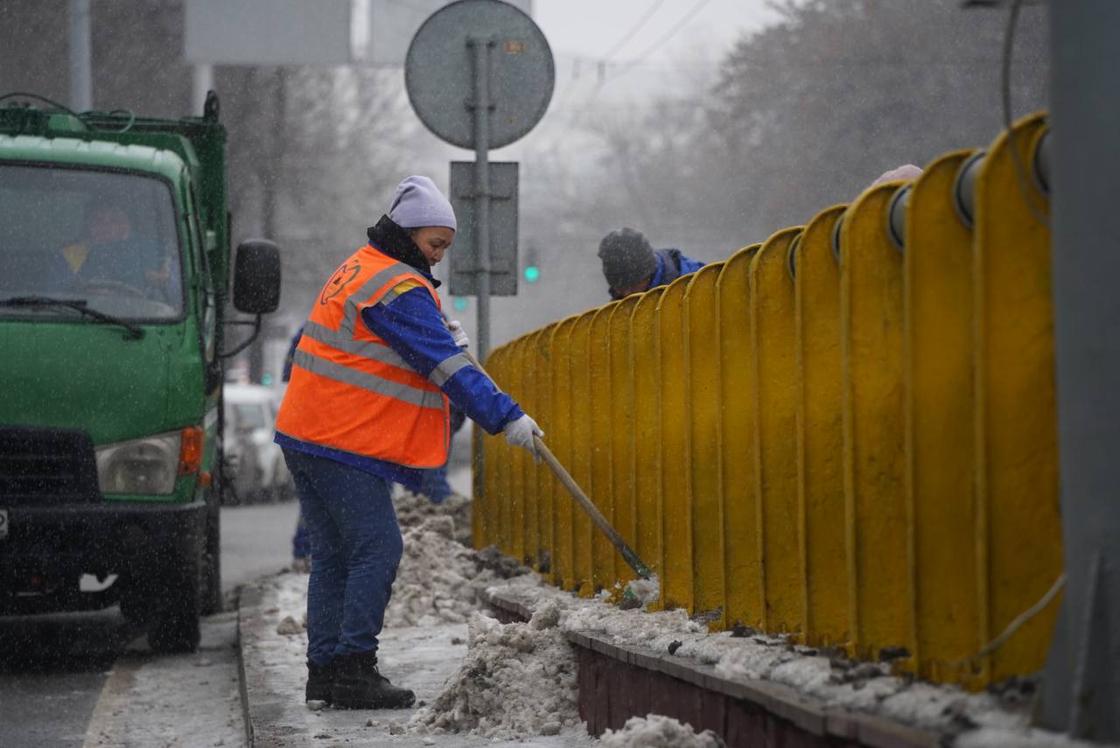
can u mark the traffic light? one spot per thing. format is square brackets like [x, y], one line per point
[460, 303]
[532, 270]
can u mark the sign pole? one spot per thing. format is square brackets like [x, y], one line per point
[456, 50]
[480, 49]
[480, 55]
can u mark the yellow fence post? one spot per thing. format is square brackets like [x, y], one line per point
[487, 509]
[647, 427]
[744, 604]
[480, 517]
[513, 381]
[676, 462]
[874, 459]
[531, 399]
[602, 434]
[1017, 450]
[581, 446]
[546, 553]
[820, 433]
[497, 463]
[560, 440]
[938, 319]
[623, 481]
[776, 392]
[701, 340]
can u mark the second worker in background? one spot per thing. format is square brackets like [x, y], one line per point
[367, 406]
[631, 265]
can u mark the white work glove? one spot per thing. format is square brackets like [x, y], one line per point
[519, 433]
[458, 333]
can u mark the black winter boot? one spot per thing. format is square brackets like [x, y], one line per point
[359, 685]
[320, 680]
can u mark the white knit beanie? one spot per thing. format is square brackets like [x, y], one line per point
[419, 203]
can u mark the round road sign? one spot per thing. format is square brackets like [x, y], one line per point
[439, 71]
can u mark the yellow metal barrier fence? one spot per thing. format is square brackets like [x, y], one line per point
[846, 433]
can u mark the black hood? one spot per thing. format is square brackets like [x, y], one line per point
[394, 241]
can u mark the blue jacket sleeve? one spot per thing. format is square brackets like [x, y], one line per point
[413, 327]
[689, 265]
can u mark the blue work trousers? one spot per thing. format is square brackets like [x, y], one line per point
[355, 550]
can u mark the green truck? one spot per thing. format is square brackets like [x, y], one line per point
[114, 268]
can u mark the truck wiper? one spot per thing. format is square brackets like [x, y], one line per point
[79, 305]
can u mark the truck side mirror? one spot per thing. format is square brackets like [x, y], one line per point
[256, 277]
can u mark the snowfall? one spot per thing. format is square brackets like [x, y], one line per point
[482, 682]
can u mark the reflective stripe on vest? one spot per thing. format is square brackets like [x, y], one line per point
[349, 390]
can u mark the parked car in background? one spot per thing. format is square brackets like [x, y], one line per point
[255, 467]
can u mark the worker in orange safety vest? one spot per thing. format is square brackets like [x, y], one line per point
[367, 406]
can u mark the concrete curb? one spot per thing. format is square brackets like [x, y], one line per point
[268, 715]
[252, 594]
[809, 716]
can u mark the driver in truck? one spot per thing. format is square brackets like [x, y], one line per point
[110, 252]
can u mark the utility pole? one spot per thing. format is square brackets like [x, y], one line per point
[202, 81]
[273, 180]
[81, 66]
[1081, 685]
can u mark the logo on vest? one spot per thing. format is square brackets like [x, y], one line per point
[346, 272]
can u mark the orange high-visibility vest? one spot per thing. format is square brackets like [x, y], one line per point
[348, 389]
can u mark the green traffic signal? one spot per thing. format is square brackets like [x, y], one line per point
[460, 303]
[532, 273]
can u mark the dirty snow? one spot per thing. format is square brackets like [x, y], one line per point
[518, 680]
[424, 658]
[655, 731]
[440, 579]
[412, 509]
[486, 682]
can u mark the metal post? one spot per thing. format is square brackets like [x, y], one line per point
[481, 49]
[273, 176]
[1081, 685]
[481, 56]
[81, 75]
[203, 82]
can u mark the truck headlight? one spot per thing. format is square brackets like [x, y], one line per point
[140, 466]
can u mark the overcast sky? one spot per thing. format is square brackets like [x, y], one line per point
[593, 28]
[625, 47]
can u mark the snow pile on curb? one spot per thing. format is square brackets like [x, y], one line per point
[655, 731]
[413, 509]
[433, 580]
[439, 579]
[518, 681]
[827, 676]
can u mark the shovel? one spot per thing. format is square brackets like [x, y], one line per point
[581, 498]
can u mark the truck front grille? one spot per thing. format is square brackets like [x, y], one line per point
[46, 466]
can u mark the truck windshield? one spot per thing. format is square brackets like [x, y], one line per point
[107, 239]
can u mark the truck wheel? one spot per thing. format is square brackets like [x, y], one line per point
[212, 559]
[176, 626]
[136, 603]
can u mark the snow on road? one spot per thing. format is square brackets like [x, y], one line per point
[189, 700]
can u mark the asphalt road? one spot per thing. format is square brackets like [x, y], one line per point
[53, 668]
